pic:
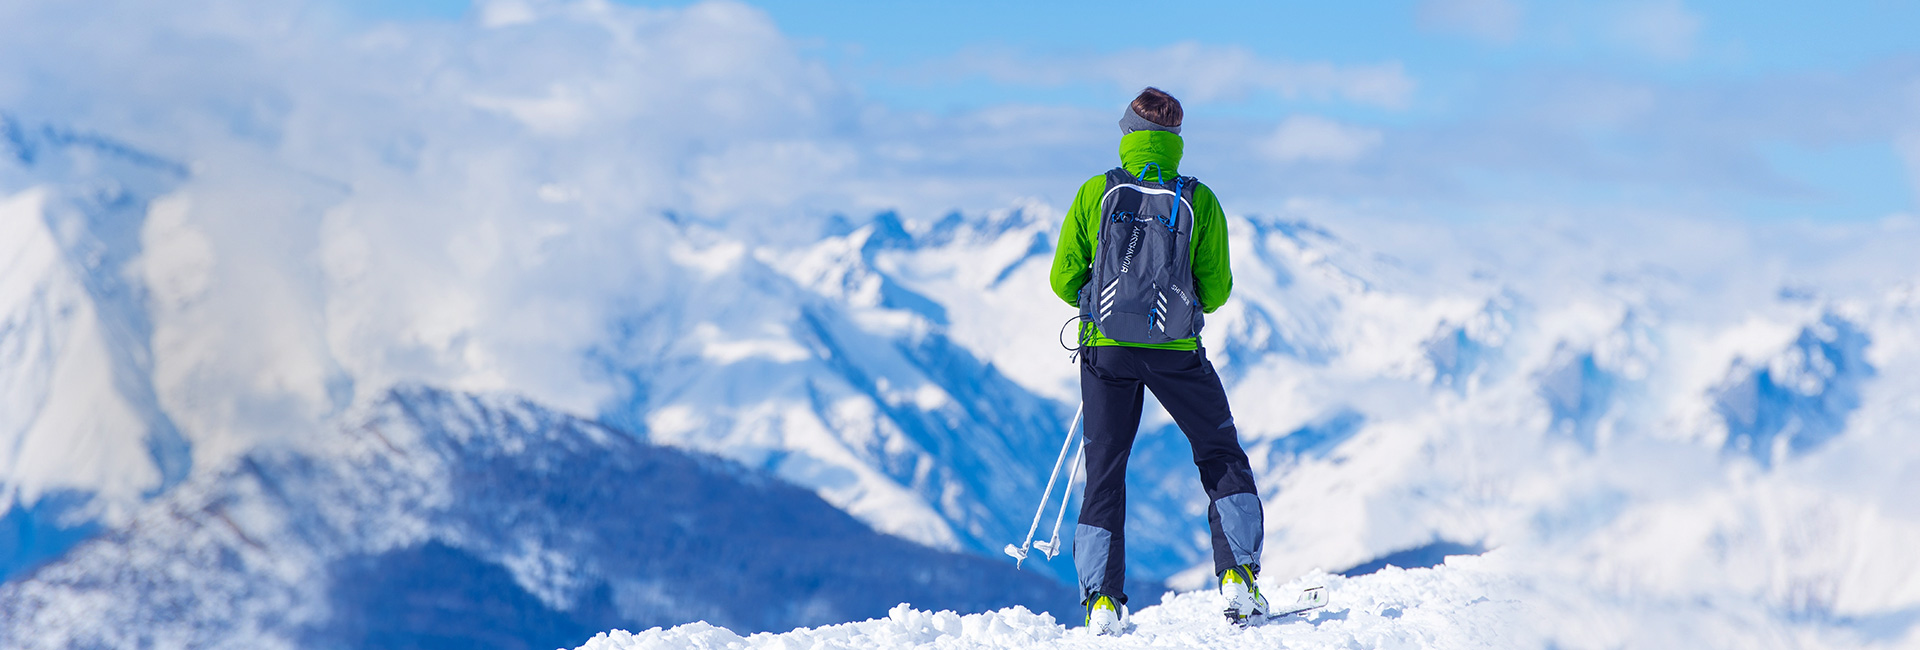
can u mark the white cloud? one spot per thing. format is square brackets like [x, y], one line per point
[466, 204]
[559, 112]
[457, 204]
[767, 175]
[179, 264]
[1663, 29]
[1496, 21]
[1307, 138]
[504, 13]
[1206, 73]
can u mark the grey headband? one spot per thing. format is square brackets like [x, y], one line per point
[1133, 122]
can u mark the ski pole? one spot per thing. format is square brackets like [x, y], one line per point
[1052, 548]
[1019, 553]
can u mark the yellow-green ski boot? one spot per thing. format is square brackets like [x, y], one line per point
[1244, 602]
[1105, 617]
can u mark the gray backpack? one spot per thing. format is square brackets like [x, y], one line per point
[1141, 287]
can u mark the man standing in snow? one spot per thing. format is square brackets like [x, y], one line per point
[1142, 254]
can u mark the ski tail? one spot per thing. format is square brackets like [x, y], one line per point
[1311, 598]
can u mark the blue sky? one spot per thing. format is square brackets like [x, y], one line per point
[1761, 110]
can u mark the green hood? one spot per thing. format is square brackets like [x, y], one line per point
[1158, 147]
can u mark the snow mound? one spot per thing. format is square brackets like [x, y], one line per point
[1503, 599]
[1461, 604]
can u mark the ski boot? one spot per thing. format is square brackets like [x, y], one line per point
[1105, 617]
[1244, 602]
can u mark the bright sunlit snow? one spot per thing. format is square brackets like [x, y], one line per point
[1468, 602]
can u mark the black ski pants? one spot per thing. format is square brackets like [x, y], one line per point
[1112, 384]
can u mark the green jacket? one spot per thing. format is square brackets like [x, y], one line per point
[1073, 257]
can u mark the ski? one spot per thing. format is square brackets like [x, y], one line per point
[1310, 599]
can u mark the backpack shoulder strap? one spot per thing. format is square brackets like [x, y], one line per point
[1115, 177]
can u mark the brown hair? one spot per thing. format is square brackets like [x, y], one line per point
[1158, 107]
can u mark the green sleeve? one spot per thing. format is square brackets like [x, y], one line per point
[1073, 256]
[1212, 276]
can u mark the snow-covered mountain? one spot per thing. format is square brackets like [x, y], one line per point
[1663, 412]
[85, 434]
[1588, 408]
[822, 368]
[448, 520]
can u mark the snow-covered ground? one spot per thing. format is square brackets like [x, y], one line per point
[1488, 601]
